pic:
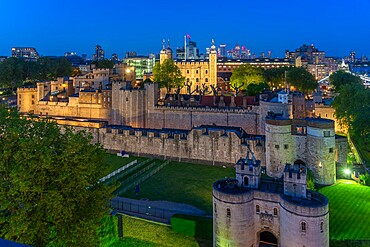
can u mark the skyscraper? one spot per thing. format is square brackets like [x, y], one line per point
[99, 53]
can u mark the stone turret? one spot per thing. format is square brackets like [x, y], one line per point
[295, 180]
[248, 171]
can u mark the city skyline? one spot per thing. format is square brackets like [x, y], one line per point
[53, 28]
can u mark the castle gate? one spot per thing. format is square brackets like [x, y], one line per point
[267, 239]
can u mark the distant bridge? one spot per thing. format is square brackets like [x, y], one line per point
[365, 79]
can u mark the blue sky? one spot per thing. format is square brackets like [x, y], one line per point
[56, 26]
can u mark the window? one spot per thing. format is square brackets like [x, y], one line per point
[187, 72]
[197, 71]
[321, 226]
[215, 208]
[33, 102]
[206, 71]
[206, 79]
[303, 226]
[326, 133]
[286, 146]
[228, 213]
[331, 150]
[275, 212]
[258, 210]
[197, 80]
[33, 96]
[246, 181]
[277, 146]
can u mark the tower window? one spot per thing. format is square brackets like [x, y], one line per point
[197, 79]
[206, 79]
[197, 71]
[206, 71]
[187, 72]
[321, 226]
[303, 226]
[228, 212]
[286, 146]
[258, 210]
[331, 150]
[214, 206]
[326, 133]
[275, 212]
[277, 146]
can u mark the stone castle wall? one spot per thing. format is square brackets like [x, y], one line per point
[188, 117]
[203, 145]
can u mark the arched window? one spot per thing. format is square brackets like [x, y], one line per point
[246, 181]
[275, 212]
[228, 212]
[258, 210]
[303, 226]
[206, 79]
[321, 226]
[197, 79]
[187, 79]
[214, 206]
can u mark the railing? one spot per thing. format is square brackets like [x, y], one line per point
[112, 174]
[125, 173]
[130, 183]
[152, 210]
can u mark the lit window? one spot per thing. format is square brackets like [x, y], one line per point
[228, 212]
[303, 226]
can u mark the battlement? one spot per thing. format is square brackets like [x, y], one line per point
[27, 89]
[321, 123]
[250, 109]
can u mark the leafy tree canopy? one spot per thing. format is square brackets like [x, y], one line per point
[301, 79]
[253, 89]
[49, 192]
[244, 75]
[14, 72]
[104, 64]
[168, 75]
[341, 78]
[352, 108]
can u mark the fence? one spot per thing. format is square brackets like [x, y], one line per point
[130, 182]
[120, 175]
[112, 174]
[152, 210]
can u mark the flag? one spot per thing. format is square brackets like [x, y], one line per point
[188, 36]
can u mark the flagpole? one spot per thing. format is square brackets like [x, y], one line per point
[185, 46]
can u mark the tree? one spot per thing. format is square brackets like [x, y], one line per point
[49, 190]
[301, 79]
[256, 88]
[244, 75]
[104, 64]
[275, 77]
[341, 78]
[168, 75]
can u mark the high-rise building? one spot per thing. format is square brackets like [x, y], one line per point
[114, 58]
[352, 57]
[99, 53]
[222, 51]
[28, 53]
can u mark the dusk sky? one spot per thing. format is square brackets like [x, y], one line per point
[56, 26]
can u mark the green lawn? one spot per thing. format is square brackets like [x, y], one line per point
[184, 183]
[138, 232]
[349, 205]
[114, 162]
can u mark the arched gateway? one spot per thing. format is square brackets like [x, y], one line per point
[267, 239]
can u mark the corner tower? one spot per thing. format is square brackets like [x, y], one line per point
[213, 64]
